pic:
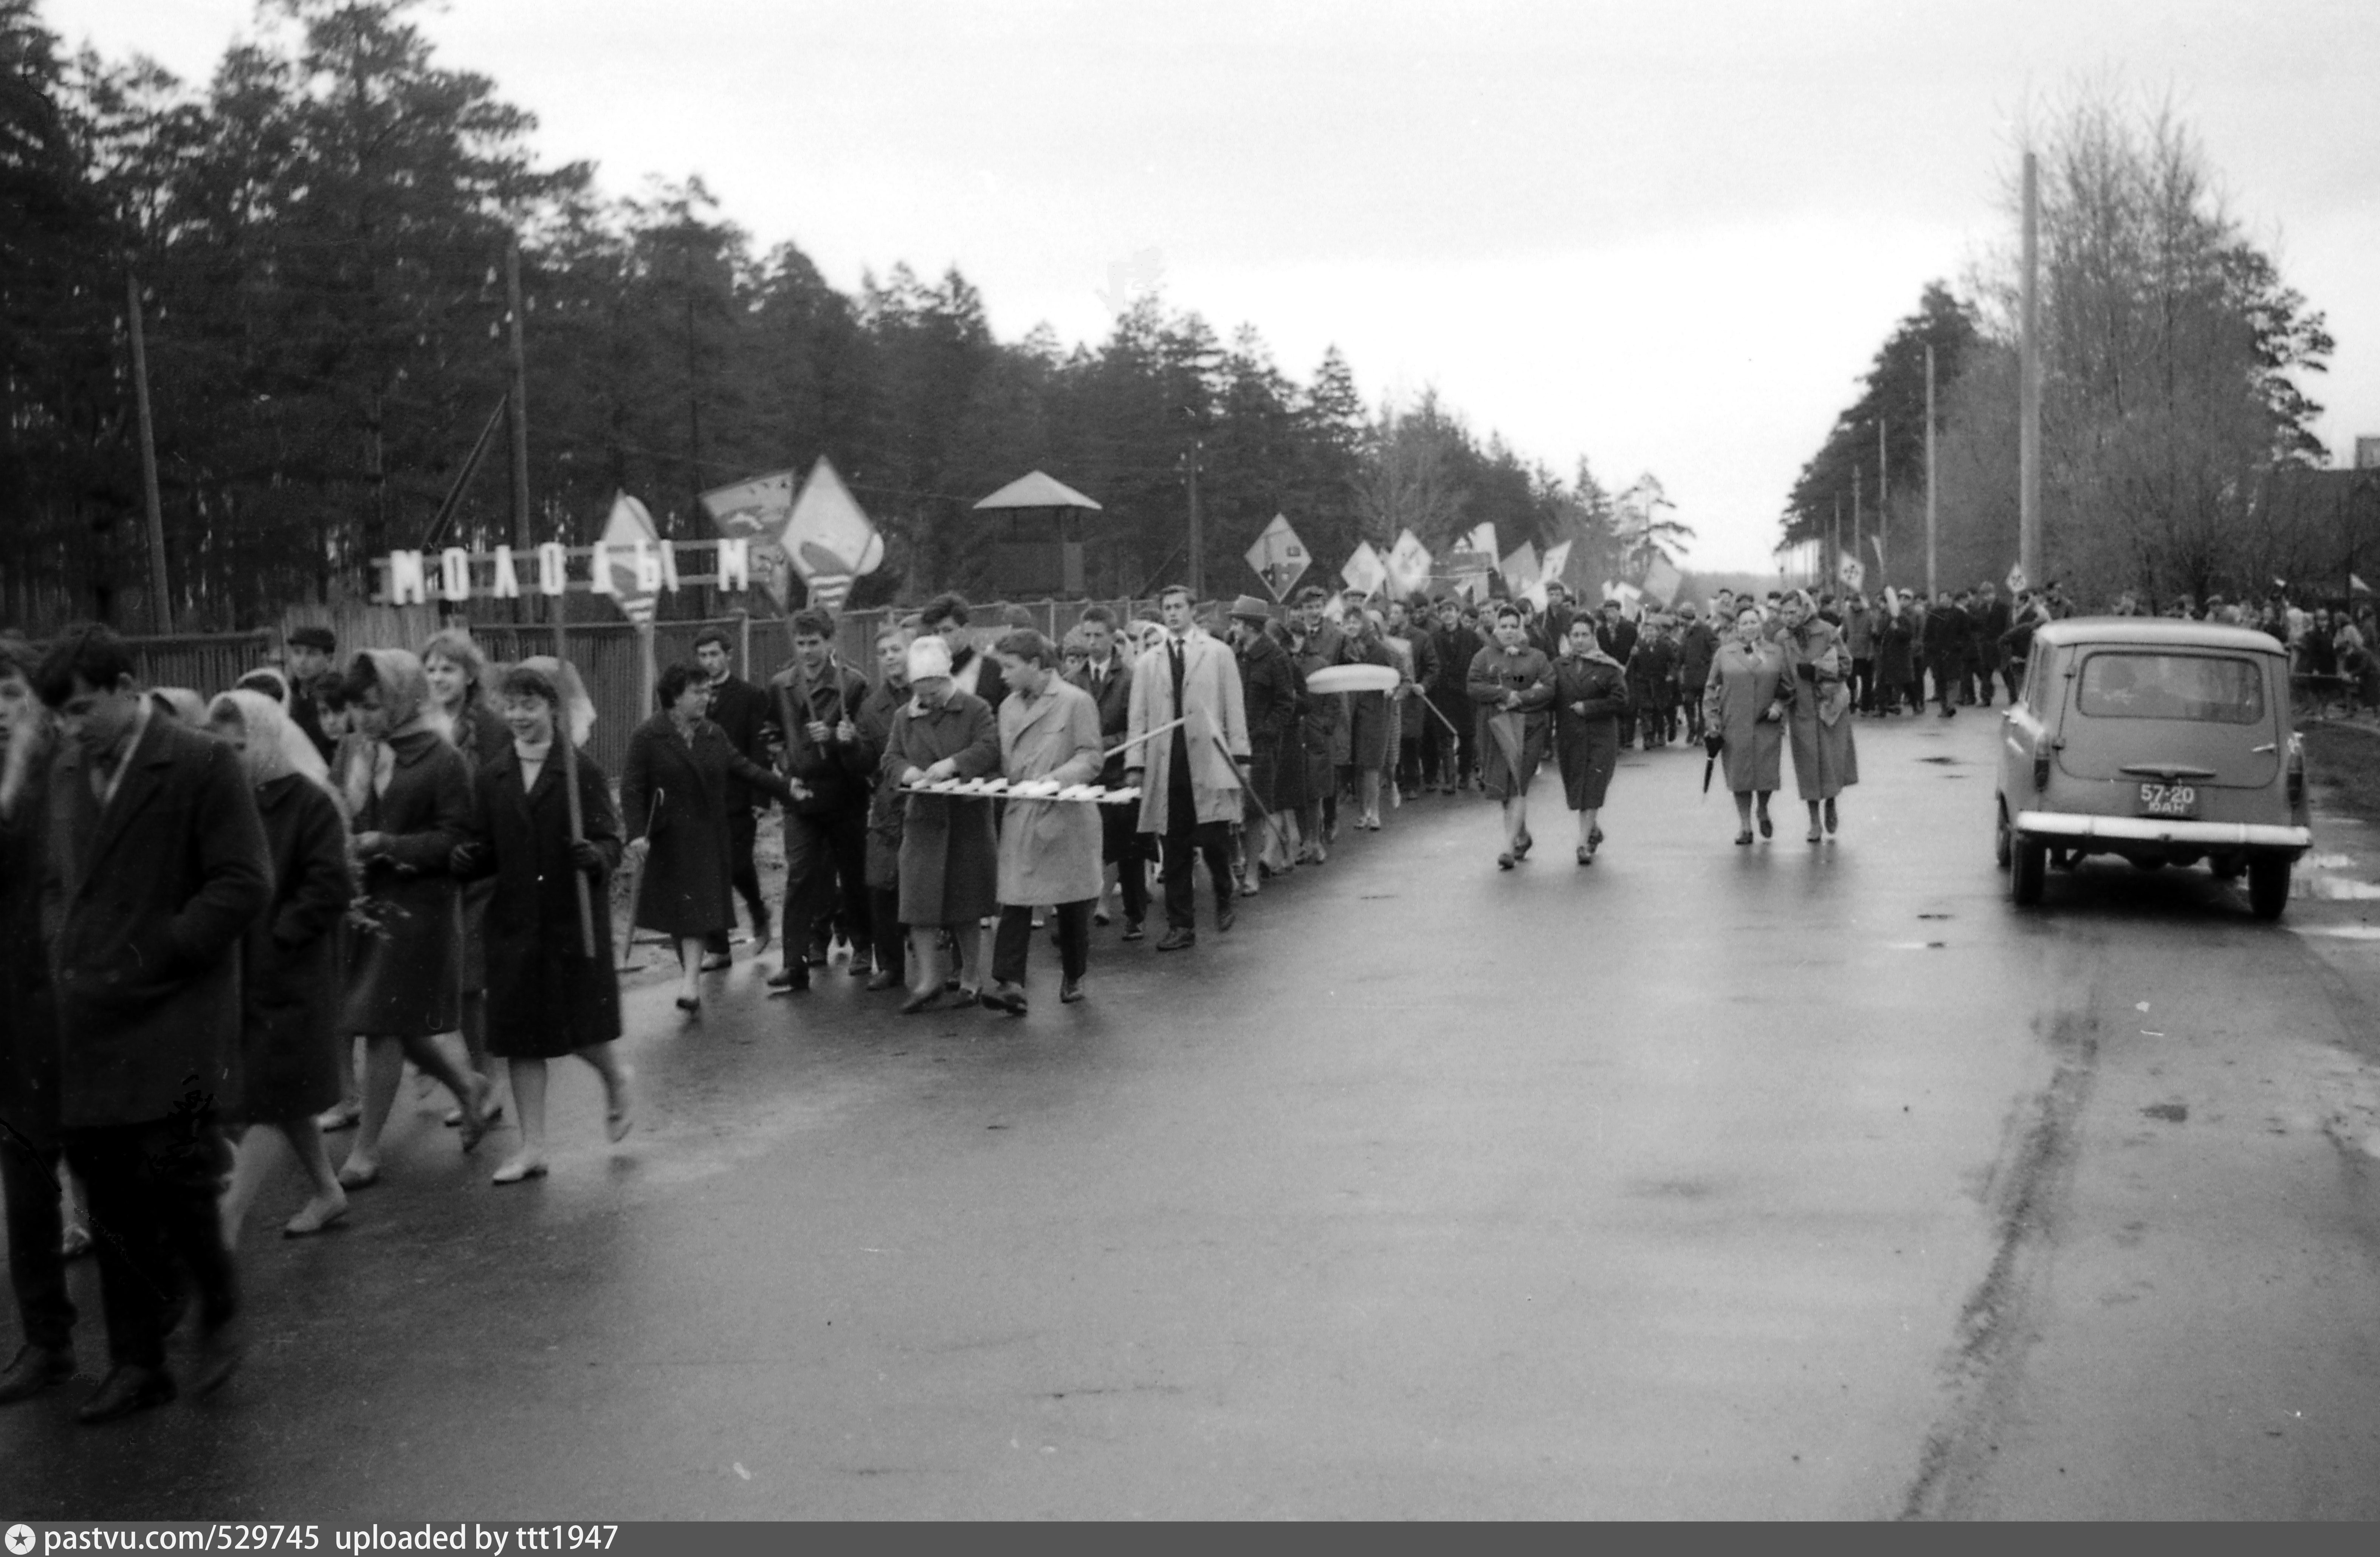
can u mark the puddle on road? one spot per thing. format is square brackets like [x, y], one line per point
[1914, 946]
[2333, 888]
[2330, 861]
[1945, 762]
[2340, 931]
[2173, 1114]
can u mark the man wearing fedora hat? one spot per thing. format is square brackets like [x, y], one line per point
[1269, 701]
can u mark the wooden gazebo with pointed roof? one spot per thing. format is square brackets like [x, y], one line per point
[1038, 548]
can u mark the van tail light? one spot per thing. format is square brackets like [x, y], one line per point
[2041, 749]
[2297, 769]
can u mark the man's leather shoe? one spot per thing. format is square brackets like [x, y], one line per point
[1224, 915]
[35, 1369]
[882, 978]
[718, 962]
[219, 1356]
[1069, 992]
[1005, 996]
[126, 1390]
[793, 976]
[918, 1003]
[1132, 931]
[1177, 941]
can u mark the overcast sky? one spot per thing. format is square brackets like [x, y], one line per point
[1668, 236]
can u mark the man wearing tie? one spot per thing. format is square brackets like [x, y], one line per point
[1108, 681]
[1191, 777]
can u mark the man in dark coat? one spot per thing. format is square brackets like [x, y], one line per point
[157, 862]
[741, 709]
[1453, 646]
[814, 705]
[1697, 647]
[306, 658]
[1269, 701]
[1948, 636]
[1991, 627]
[1616, 636]
[1107, 677]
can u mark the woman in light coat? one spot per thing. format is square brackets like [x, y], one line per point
[1743, 709]
[1050, 850]
[1819, 663]
[949, 859]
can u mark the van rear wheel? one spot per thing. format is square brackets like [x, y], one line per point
[2268, 885]
[2028, 869]
[2001, 839]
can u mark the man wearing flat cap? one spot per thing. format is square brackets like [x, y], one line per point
[306, 656]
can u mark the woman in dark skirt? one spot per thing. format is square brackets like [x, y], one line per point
[547, 998]
[674, 792]
[1590, 699]
[290, 964]
[456, 671]
[1512, 681]
[408, 794]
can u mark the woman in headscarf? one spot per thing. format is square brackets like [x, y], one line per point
[1826, 761]
[1512, 681]
[548, 998]
[290, 964]
[1370, 733]
[1590, 699]
[1744, 710]
[674, 793]
[456, 670]
[180, 702]
[950, 864]
[408, 792]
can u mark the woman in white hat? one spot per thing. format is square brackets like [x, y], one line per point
[950, 864]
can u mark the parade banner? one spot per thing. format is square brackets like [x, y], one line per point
[1849, 570]
[1408, 565]
[1279, 557]
[829, 537]
[1522, 572]
[1364, 570]
[1555, 563]
[756, 512]
[631, 562]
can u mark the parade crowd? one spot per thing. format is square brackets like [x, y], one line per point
[233, 923]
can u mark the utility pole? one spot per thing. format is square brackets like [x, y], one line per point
[517, 401]
[161, 606]
[1197, 526]
[2029, 388]
[1858, 500]
[1930, 473]
[1835, 536]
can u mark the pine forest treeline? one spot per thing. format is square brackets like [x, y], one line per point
[319, 235]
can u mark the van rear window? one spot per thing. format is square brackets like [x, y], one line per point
[2214, 689]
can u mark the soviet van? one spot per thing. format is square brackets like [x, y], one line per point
[2163, 742]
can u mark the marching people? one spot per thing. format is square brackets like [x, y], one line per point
[1697, 644]
[1743, 711]
[1193, 776]
[1320, 716]
[1106, 675]
[1826, 763]
[1652, 685]
[33, 1157]
[409, 799]
[306, 657]
[1859, 640]
[1618, 636]
[290, 966]
[1269, 701]
[552, 992]
[453, 663]
[1416, 655]
[1896, 658]
[154, 842]
[1445, 748]
[1368, 732]
[1590, 699]
[887, 934]
[812, 702]
[1048, 849]
[1512, 682]
[741, 711]
[1947, 632]
[681, 841]
[949, 856]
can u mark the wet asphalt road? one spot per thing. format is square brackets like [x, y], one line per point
[1779, 1182]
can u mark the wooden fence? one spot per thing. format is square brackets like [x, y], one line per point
[610, 655]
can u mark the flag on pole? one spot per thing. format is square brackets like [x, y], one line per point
[1555, 563]
[2357, 585]
[1279, 557]
[1364, 570]
[830, 539]
[630, 573]
[1408, 566]
[1522, 571]
[757, 510]
[1849, 570]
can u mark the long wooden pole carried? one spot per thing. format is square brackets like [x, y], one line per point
[161, 605]
[570, 788]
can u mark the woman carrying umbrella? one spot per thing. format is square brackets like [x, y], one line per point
[1743, 707]
[1512, 682]
[674, 789]
[1826, 761]
[1590, 699]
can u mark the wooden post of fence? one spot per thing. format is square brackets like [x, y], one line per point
[744, 636]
